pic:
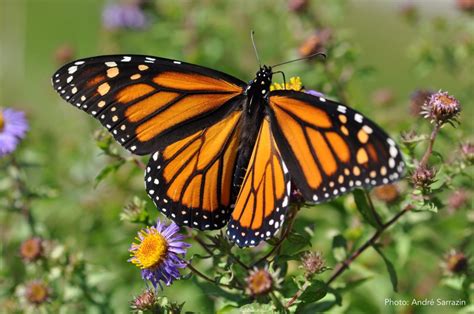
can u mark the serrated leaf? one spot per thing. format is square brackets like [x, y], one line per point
[390, 268]
[365, 209]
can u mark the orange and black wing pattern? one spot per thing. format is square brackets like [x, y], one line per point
[329, 148]
[190, 181]
[146, 102]
[264, 195]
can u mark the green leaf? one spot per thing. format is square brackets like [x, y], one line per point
[365, 208]
[316, 291]
[109, 169]
[294, 243]
[390, 268]
[339, 247]
[353, 284]
[257, 308]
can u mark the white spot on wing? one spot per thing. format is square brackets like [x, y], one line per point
[72, 69]
[341, 109]
[358, 118]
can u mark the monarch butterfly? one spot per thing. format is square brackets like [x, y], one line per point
[223, 151]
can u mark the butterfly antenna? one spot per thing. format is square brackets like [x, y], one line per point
[255, 48]
[299, 59]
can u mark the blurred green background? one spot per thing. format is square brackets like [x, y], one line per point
[391, 55]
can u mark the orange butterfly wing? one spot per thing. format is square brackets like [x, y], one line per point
[264, 195]
[148, 102]
[190, 181]
[329, 148]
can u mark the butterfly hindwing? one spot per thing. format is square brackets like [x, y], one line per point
[329, 148]
[190, 180]
[148, 102]
[263, 200]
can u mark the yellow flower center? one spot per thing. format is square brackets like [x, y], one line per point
[2, 121]
[260, 282]
[151, 251]
[36, 293]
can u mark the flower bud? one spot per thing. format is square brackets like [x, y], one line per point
[423, 177]
[467, 151]
[313, 263]
[144, 302]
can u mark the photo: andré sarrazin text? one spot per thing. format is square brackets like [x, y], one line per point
[424, 302]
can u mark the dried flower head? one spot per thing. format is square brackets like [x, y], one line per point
[31, 249]
[261, 281]
[418, 100]
[456, 262]
[313, 263]
[37, 292]
[466, 5]
[159, 252]
[298, 5]
[315, 43]
[146, 301]
[441, 108]
[387, 193]
[423, 177]
[13, 127]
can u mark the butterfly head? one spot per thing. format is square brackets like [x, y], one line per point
[260, 85]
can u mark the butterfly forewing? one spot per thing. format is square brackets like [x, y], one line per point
[148, 102]
[329, 148]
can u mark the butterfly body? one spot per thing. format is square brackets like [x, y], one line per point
[253, 112]
[224, 152]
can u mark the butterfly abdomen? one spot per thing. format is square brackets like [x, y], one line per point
[253, 115]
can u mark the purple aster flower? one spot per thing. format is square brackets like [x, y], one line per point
[314, 93]
[117, 16]
[13, 127]
[159, 253]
